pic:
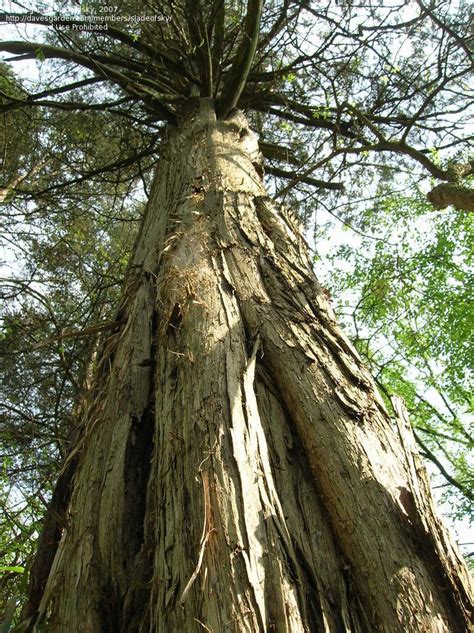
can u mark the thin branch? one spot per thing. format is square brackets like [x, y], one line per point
[94, 329]
[96, 63]
[96, 172]
[432, 457]
[295, 178]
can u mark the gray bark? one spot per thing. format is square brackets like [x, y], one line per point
[237, 470]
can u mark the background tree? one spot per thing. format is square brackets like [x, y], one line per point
[328, 106]
[410, 316]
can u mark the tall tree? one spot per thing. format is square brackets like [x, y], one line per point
[407, 299]
[233, 466]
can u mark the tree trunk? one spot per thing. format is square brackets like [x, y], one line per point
[237, 471]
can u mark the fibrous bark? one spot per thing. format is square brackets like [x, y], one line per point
[237, 470]
[447, 194]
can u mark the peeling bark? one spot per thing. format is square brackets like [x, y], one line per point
[238, 471]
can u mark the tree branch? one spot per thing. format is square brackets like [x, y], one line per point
[277, 152]
[94, 329]
[295, 178]
[112, 32]
[96, 172]
[242, 63]
[432, 457]
[449, 194]
[444, 27]
[98, 66]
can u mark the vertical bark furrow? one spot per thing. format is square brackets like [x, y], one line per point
[136, 472]
[370, 441]
[307, 541]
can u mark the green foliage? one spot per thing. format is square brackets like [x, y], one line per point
[411, 310]
[71, 277]
[20, 525]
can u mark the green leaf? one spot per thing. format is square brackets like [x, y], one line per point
[16, 569]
